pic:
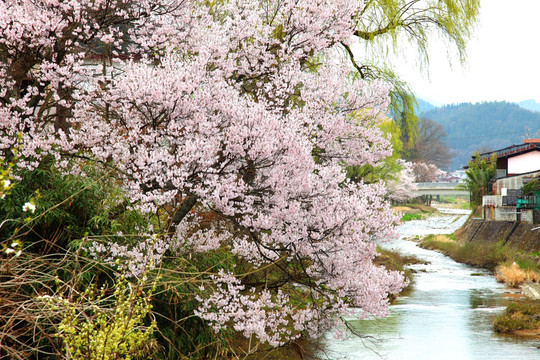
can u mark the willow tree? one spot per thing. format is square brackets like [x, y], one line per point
[384, 26]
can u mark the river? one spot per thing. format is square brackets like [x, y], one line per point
[448, 314]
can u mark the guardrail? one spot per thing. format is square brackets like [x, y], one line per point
[441, 188]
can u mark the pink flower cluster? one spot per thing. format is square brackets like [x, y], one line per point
[425, 172]
[262, 314]
[244, 105]
[131, 260]
[403, 187]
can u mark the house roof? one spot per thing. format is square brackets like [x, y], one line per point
[513, 150]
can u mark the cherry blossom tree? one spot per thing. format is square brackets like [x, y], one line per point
[241, 109]
[424, 172]
[403, 188]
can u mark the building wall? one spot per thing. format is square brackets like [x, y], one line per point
[492, 200]
[507, 213]
[524, 163]
[513, 182]
[527, 216]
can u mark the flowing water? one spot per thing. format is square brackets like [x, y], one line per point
[448, 314]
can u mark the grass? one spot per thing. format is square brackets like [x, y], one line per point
[483, 255]
[464, 206]
[423, 208]
[441, 243]
[408, 217]
[510, 264]
[415, 211]
[514, 275]
[523, 315]
[459, 202]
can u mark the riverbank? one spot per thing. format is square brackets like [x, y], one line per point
[410, 212]
[521, 236]
[511, 267]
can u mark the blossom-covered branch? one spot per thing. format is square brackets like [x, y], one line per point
[241, 110]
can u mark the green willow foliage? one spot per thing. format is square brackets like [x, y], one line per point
[385, 25]
[389, 169]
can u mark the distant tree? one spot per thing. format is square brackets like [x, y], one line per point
[483, 126]
[425, 172]
[429, 146]
[403, 187]
[483, 149]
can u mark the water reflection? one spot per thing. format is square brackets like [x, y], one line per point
[482, 298]
[448, 314]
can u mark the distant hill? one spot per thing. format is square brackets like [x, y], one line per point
[530, 105]
[423, 106]
[483, 126]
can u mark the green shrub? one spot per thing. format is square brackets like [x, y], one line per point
[481, 255]
[43, 249]
[99, 326]
[521, 315]
[68, 208]
[486, 255]
[530, 187]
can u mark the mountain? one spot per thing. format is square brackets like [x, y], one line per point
[483, 126]
[530, 105]
[423, 106]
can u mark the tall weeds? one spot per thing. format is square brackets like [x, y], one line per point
[513, 275]
[480, 255]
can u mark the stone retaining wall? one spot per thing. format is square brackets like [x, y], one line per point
[517, 235]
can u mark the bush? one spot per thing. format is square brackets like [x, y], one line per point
[482, 255]
[476, 254]
[511, 275]
[521, 315]
[48, 219]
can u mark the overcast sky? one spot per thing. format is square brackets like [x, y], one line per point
[503, 59]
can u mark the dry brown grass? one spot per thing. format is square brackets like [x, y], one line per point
[442, 238]
[514, 276]
[401, 209]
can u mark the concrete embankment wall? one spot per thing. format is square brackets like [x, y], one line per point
[517, 235]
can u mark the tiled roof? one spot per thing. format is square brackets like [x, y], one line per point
[512, 150]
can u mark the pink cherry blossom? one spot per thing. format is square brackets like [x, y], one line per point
[245, 107]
